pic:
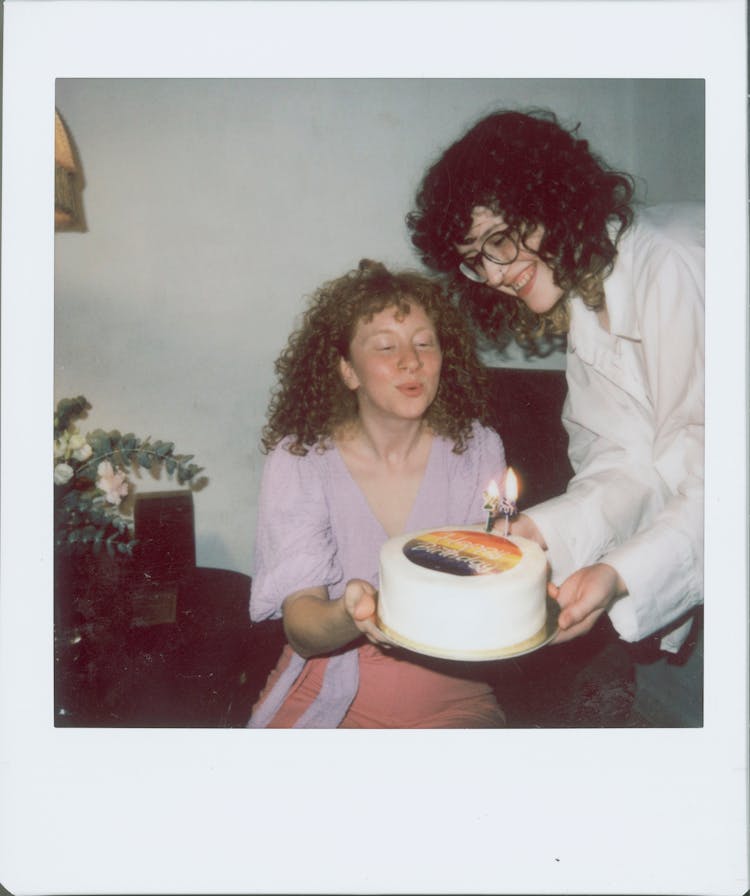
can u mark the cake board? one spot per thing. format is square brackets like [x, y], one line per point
[543, 637]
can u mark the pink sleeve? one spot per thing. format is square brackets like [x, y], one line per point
[294, 546]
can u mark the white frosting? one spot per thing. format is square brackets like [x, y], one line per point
[449, 614]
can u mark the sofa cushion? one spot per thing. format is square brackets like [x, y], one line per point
[526, 408]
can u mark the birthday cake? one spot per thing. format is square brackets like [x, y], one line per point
[462, 593]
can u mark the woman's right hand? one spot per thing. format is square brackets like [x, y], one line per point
[360, 602]
[315, 625]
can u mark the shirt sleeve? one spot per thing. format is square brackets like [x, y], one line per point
[294, 545]
[604, 504]
[662, 565]
[642, 510]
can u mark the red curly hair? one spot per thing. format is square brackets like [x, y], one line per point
[311, 401]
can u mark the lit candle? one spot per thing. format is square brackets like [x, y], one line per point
[491, 504]
[510, 496]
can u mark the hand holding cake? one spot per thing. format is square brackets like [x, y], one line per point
[360, 602]
[583, 597]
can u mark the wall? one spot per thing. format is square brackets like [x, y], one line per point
[213, 207]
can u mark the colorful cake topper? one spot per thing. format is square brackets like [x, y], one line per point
[462, 552]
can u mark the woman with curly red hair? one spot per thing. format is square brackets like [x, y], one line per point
[374, 429]
[542, 242]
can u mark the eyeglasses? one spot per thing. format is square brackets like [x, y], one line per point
[499, 248]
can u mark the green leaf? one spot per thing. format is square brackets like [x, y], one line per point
[69, 409]
[88, 534]
[100, 445]
[72, 499]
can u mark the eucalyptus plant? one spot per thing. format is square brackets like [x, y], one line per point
[91, 479]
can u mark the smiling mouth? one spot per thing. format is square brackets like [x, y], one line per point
[527, 275]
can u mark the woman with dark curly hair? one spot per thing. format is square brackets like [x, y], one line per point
[542, 242]
[374, 429]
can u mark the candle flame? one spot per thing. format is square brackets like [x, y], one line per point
[492, 490]
[511, 486]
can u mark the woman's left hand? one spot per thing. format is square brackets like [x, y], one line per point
[583, 597]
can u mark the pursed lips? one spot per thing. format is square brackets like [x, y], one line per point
[411, 388]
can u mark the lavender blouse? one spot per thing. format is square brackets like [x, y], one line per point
[315, 528]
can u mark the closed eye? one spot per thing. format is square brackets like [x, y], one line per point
[498, 240]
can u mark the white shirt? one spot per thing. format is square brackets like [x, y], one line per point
[635, 418]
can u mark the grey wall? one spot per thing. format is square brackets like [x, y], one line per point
[215, 206]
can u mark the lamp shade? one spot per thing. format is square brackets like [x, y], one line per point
[67, 205]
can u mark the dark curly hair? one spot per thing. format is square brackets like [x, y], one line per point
[528, 168]
[311, 401]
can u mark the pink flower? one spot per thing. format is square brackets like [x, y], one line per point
[111, 482]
